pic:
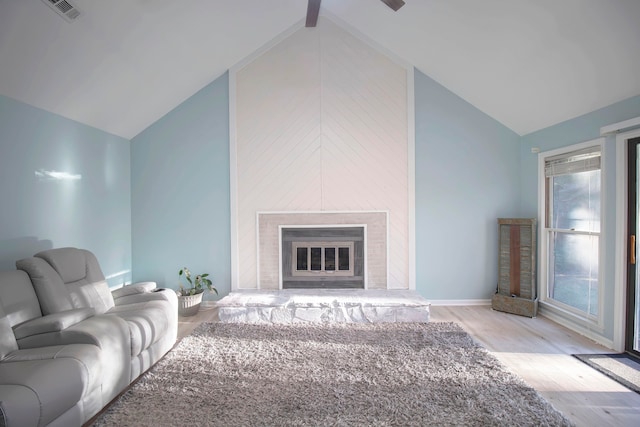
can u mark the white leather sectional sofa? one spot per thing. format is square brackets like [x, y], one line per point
[69, 345]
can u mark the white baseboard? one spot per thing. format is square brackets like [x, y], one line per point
[457, 302]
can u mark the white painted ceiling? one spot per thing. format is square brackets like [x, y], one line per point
[125, 63]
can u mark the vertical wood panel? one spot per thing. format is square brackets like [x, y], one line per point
[514, 253]
[278, 139]
[364, 137]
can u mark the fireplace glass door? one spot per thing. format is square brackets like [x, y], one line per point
[323, 259]
[331, 257]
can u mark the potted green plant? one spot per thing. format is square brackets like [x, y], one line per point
[190, 298]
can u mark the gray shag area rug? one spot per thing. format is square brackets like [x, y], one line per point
[385, 374]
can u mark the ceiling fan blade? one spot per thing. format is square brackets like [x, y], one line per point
[313, 9]
[394, 4]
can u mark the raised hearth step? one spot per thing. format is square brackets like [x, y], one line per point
[323, 305]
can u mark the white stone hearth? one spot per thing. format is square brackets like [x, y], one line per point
[326, 305]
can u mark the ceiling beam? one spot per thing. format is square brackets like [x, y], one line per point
[394, 4]
[313, 10]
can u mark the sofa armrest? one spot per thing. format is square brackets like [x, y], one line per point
[16, 405]
[135, 288]
[72, 351]
[102, 330]
[52, 323]
[159, 294]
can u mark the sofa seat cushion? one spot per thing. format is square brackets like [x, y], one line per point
[148, 322]
[37, 374]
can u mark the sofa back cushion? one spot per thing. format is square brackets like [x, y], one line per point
[69, 263]
[51, 291]
[96, 295]
[17, 297]
[73, 264]
[77, 275]
[7, 338]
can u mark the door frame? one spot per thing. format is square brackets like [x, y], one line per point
[633, 175]
[622, 232]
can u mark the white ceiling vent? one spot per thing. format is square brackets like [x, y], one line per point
[64, 8]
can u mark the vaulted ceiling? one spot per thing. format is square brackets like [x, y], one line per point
[123, 64]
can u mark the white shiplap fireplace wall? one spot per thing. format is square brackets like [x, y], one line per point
[321, 123]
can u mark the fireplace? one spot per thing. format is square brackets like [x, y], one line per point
[341, 249]
[323, 257]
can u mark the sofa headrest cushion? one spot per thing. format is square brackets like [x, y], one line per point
[70, 263]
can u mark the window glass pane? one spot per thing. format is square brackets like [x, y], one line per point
[330, 259]
[316, 258]
[301, 259]
[576, 201]
[343, 258]
[573, 276]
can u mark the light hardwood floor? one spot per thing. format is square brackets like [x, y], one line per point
[539, 351]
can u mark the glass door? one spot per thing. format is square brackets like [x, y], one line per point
[633, 272]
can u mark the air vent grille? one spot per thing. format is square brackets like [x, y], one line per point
[64, 8]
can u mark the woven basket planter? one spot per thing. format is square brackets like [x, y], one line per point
[189, 305]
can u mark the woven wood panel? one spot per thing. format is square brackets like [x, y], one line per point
[517, 257]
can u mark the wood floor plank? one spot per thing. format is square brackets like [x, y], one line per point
[539, 351]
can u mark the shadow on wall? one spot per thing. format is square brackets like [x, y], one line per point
[12, 250]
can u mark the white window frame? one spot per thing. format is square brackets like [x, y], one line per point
[550, 307]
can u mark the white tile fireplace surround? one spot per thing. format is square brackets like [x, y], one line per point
[373, 243]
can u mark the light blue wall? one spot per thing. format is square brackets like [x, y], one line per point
[93, 212]
[456, 209]
[180, 192]
[169, 207]
[467, 176]
[580, 129]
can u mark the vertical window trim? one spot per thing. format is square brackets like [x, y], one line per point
[595, 323]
